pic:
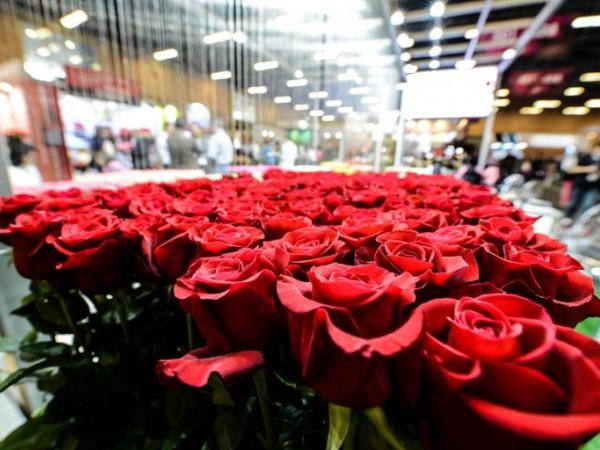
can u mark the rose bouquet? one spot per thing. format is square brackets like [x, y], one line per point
[301, 311]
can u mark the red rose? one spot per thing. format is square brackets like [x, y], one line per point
[422, 219]
[362, 228]
[503, 229]
[466, 236]
[11, 207]
[314, 209]
[312, 246]
[407, 251]
[157, 203]
[232, 297]
[473, 215]
[552, 279]
[91, 251]
[195, 368]
[348, 331]
[279, 224]
[241, 213]
[500, 375]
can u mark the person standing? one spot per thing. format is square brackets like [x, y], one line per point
[289, 153]
[586, 182]
[182, 147]
[220, 148]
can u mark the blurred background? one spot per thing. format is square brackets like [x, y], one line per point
[504, 93]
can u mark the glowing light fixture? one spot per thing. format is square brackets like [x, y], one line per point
[574, 91]
[222, 75]
[163, 55]
[74, 19]
[257, 90]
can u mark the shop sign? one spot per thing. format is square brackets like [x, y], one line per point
[102, 83]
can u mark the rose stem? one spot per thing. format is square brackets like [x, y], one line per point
[70, 320]
[190, 331]
[260, 385]
[122, 312]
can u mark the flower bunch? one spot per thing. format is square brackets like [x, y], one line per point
[425, 296]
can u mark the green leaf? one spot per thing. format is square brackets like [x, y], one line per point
[220, 394]
[339, 424]
[9, 344]
[34, 434]
[589, 326]
[593, 444]
[18, 375]
[377, 418]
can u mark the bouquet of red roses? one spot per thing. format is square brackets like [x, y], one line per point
[314, 310]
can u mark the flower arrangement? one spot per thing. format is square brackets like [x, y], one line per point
[301, 311]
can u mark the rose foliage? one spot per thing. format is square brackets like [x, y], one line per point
[300, 311]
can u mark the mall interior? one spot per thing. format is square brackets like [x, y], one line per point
[105, 93]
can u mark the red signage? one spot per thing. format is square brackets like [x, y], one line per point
[528, 83]
[101, 82]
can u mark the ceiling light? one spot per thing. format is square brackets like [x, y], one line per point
[73, 19]
[509, 53]
[239, 37]
[327, 135]
[75, 59]
[435, 51]
[434, 64]
[328, 118]
[31, 33]
[316, 113]
[593, 103]
[325, 55]
[586, 22]
[574, 91]
[589, 77]
[369, 100]
[302, 124]
[6, 87]
[397, 18]
[359, 90]
[301, 107]
[436, 33]
[333, 103]
[465, 64]
[255, 90]
[317, 94]
[437, 9]
[96, 66]
[576, 111]
[265, 65]
[530, 110]
[43, 33]
[163, 55]
[53, 47]
[299, 74]
[43, 52]
[223, 75]
[501, 102]
[405, 56]
[283, 99]
[410, 68]
[297, 83]
[547, 104]
[70, 44]
[345, 109]
[405, 41]
[215, 38]
[502, 92]
[471, 33]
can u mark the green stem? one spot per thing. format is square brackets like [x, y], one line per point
[70, 321]
[190, 331]
[260, 385]
[122, 312]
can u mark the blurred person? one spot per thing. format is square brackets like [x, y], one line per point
[268, 155]
[162, 148]
[182, 147]
[469, 171]
[526, 170]
[142, 148]
[491, 174]
[220, 148]
[289, 154]
[23, 171]
[586, 182]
